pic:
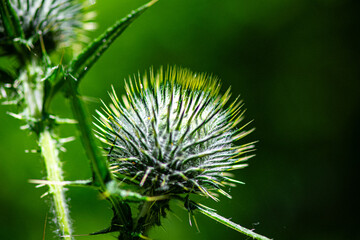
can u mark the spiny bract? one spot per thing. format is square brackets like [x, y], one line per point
[174, 133]
[57, 21]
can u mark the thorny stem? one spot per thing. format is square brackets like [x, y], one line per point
[50, 152]
[33, 94]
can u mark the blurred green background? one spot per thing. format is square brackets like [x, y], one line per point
[295, 64]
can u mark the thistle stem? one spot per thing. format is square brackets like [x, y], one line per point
[38, 122]
[50, 153]
[100, 171]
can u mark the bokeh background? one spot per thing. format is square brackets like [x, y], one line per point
[295, 64]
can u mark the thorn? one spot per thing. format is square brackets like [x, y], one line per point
[63, 120]
[151, 3]
[44, 195]
[3, 93]
[62, 149]
[9, 102]
[190, 218]
[17, 116]
[31, 151]
[144, 237]
[74, 78]
[66, 140]
[24, 127]
[196, 225]
[148, 170]
[77, 235]
[60, 183]
[89, 99]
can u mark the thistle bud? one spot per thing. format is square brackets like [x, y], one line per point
[57, 22]
[45, 26]
[174, 133]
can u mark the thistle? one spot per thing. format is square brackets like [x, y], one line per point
[174, 135]
[57, 22]
[38, 28]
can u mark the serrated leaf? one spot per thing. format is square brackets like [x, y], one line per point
[211, 214]
[84, 61]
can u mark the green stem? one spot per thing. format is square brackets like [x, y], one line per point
[39, 123]
[100, 170]
[33, 93]
[230, 224]
[50, 152]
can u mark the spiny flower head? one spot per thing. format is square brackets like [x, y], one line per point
[174, 133]
[58, 22]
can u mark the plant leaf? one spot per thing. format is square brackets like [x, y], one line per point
[84, 61]
[211, 214]
[100, 171]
